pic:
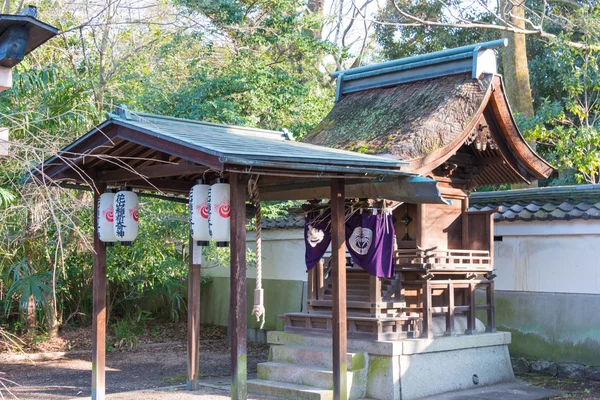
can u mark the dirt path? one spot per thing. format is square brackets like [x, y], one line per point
[145, 368]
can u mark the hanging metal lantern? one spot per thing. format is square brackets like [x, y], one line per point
[219, 211]
[126, 216]
[106, 218]
[199, 213]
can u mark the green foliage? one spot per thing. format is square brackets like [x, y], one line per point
[566, 125]
[27, 285]
[406, 40]
[126, 333]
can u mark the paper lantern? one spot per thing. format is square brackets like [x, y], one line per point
[126, 216]
[219, 211]
[199, 213]
[106, 218]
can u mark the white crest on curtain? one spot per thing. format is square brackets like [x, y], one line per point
[314, 236]
[361, 240]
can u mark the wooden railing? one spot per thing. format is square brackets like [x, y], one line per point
[443, 260]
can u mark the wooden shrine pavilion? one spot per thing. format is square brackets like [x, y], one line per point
[447, 115]
[398, 131]
[165, 156]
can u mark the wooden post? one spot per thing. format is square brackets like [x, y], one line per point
[338, 272]
[193, 334]
[237, 300]
[99, 306]
[491, 313]
[471, 322]
[427, 311]
[450, 314]
[374, 294]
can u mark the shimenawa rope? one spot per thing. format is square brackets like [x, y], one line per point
[259, 308]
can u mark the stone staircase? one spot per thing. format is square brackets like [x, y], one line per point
[298, 372]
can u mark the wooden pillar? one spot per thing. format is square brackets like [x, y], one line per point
[237, 299]
[450, 315]
[338, 272]
[99, 306]
[427, 310]
[193, 334]
[491, 312]
[471, 322]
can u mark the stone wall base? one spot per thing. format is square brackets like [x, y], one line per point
[557, 369]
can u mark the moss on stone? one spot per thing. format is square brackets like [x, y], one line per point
[378, 367]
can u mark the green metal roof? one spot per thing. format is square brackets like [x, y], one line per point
[249, 146]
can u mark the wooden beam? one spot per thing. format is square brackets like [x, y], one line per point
[165, 185]
[193, 334]
[338, 271]
[237, 300]
[99, 307]
[103, 136]
[153, 171]
[166, 146]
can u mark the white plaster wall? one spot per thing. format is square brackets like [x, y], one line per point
[283, 256]
[554, 256]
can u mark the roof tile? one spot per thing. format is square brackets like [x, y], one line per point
[542, 204]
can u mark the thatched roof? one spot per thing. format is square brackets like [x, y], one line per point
[406, 121]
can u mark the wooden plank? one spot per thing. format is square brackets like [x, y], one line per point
[237, 300]
[338, 273]
[193, 334]
[99, 307]
[153, 171]
[100, 140]
[167, 146]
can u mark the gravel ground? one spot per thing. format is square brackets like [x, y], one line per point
[139, 369]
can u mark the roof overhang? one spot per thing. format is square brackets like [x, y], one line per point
[20, 35]
[151, 158]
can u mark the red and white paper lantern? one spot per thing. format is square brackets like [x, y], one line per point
[126, 216]
[219, 212]
[199, 213]
[106, 218]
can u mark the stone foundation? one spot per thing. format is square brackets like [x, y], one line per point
[406, 369]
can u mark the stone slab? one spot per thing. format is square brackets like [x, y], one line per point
[288, 390]
[394, 348]
[356, 346]
[415, 346]
[431, 373]
[505, 391]
[314, 356]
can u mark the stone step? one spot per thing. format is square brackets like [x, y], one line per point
[296, 374]
[288, 390]
[314, 356]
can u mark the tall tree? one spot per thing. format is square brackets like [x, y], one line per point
[514, 59]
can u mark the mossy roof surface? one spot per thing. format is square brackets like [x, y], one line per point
[407, 121]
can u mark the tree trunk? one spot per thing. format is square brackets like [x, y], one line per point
[52, 318]
[31, 314]
[316, 7]
[516, 68]
[514, 61]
